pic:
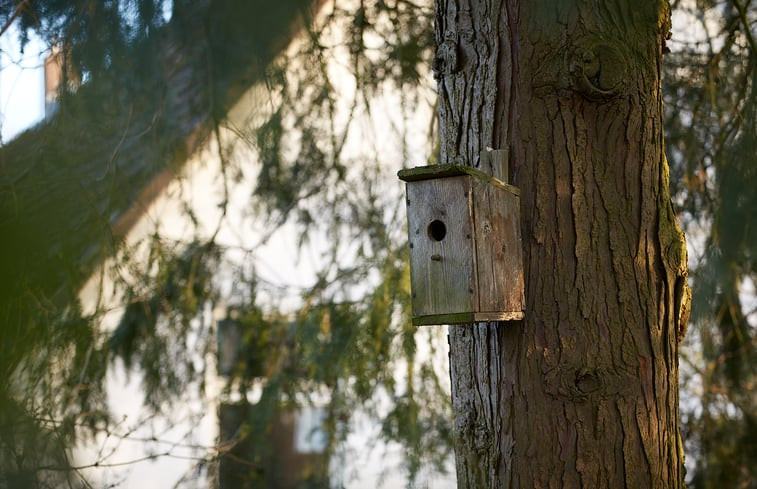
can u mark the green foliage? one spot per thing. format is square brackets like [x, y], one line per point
[52, 396]
[161, 313]
[351, 332]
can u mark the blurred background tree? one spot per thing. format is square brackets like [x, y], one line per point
[149, 83]
[712, 148]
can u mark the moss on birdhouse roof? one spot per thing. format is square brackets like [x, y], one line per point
[452, 170]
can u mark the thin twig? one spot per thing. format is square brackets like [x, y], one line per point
[747, 26]
[19, 9]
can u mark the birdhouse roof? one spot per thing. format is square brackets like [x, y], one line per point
[452, 170]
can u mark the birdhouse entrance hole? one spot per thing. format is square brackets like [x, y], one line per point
[437, 230]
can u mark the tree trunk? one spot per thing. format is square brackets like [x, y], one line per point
[584, 391]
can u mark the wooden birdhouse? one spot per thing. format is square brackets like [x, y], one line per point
[466, 262]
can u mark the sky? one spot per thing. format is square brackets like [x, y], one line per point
[22, 84]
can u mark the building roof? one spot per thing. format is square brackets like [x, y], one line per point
[72, 187]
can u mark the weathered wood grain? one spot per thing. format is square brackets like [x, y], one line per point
[442, 271]
[498, 250]
[474, 272]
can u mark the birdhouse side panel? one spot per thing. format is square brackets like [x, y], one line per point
[441, 250]
[498, 250]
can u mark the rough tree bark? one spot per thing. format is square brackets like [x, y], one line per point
[584, 391]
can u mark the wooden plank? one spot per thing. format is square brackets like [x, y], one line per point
[466, 318]
[498, 249]
[431, 172]
[441, 319]
[452, 170]
[441, 251]
[498, 316]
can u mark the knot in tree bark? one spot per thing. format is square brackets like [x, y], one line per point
[446, 60]
[599, 68]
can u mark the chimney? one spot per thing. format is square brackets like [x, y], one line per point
[53, 76]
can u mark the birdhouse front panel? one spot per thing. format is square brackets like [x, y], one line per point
[440, 241]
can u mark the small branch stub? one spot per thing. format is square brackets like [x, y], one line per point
[466, 261]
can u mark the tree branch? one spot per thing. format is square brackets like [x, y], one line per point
[19, 8]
